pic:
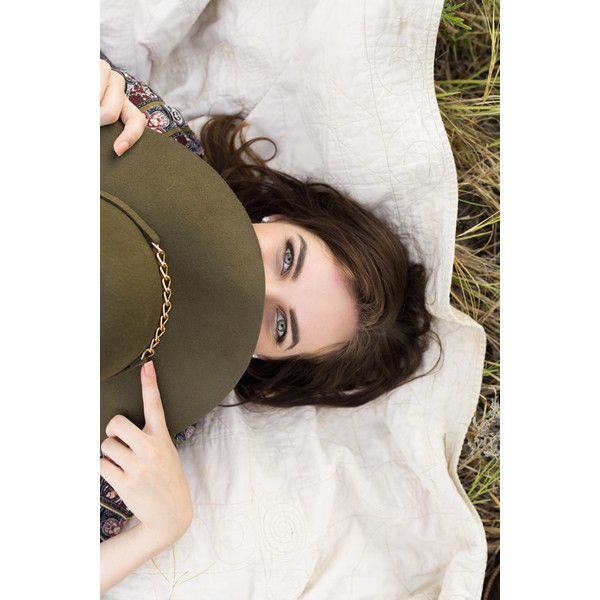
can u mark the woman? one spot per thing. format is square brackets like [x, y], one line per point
[344, 316]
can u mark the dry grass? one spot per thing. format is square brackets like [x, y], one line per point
[467, 75]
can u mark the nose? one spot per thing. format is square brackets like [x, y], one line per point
[281, 290]
[273, 286]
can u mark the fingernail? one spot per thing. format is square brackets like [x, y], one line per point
[148, 368]
[121, 147]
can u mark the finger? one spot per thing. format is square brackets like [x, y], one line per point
[111, 104]
[114, 475]
[105, 71]
[112, 77]
[119, 453]
[153, 408]
[135, 123]
[131, 435]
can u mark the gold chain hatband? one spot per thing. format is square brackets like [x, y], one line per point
[166, 307]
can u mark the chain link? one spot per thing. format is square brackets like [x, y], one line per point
[166, 307]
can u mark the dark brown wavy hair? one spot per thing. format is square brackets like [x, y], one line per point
[394, 324]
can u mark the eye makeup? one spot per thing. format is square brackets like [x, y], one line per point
[288, 257]
[281, 325]
[289, 262]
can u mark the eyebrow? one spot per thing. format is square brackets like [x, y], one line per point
[294, 324]
[300, 261]
[295, 274]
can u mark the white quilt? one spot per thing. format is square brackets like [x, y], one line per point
[358, 503]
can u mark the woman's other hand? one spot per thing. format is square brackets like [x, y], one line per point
[115, 105]
[145, 470]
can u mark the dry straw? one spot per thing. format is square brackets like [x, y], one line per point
[467, 77]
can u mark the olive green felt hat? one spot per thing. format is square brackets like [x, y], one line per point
[182, 281]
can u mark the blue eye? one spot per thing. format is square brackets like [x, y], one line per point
[288, 257]
[281, 328]
[281, 323]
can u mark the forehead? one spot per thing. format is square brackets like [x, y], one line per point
[324, 303]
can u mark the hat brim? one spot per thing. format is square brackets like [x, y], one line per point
[217, 275]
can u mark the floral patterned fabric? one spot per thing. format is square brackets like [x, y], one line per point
[168, 120]
[159, 116]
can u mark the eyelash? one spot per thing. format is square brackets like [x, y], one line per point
[284, 271]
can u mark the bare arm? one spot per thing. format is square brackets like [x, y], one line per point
[144, 469]
[121, 554]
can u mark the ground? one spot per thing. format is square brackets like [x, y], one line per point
[467, 83]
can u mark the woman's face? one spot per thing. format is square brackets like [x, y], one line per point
[308, 305]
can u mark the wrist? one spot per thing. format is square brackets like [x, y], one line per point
[159, 538]
[155, 540]
[125, 552]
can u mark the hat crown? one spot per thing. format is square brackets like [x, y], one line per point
[130, 286]
[216, 271]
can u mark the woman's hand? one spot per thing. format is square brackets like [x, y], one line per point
[114, 105]
[145, 470]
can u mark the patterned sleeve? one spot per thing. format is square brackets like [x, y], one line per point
[159, 116]
[168, 120]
